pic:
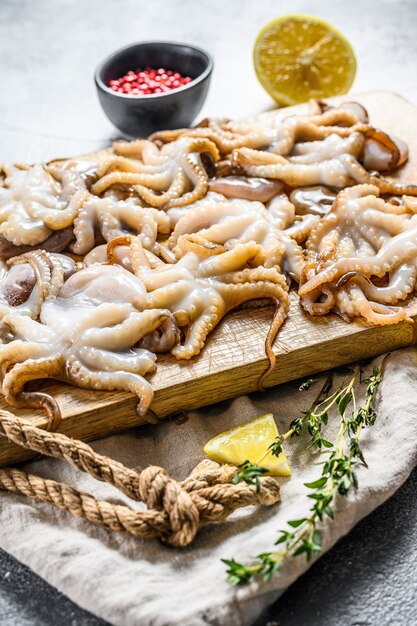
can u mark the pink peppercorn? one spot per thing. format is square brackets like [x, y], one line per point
[148, 81]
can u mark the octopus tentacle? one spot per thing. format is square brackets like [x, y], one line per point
[231, 260]
[158, 180]
[33, 369]
[121, 335]
[132, 165]
[198, 177]
[331, 146]
[199, 330]
[301, 229]
[60, 219]
[374, 312]
[401, 284]
[175, 189]
[293, 260]
[282, 211]
[113, 244]
[18, 351]
[25, 328]
[337, 171]
[172, 176]
[103, 317]
[84, 234]
[40, 400]
[82, 376]
[140, 361]
[198, 244]
[139, 149]
[259, 290]
[250, 275]
[166, 295]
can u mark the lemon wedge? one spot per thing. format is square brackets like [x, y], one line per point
[298, 57]
[249, 442]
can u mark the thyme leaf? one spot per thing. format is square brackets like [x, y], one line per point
[250, 474]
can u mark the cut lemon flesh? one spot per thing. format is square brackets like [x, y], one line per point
[298, 57]
[249, 442]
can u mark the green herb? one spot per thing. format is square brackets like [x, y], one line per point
[307, 384]
[338, 475]
[249, 473]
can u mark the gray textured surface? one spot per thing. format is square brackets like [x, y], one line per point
[48, 108]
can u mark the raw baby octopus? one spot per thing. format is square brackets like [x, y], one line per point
[203, 285]
[362, 257]
[87, 337]
[34, 203]
[115, 218]
[277, 133]
[171, 176]
[229, 222]
[27, 280]
[193, 223]
[333, 161]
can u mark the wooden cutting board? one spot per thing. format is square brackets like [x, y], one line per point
[234, 358]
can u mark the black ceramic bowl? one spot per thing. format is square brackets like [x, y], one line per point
[139, 116]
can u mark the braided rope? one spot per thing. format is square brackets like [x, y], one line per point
[175, 510]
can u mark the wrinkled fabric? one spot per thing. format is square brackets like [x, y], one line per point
[130, 582]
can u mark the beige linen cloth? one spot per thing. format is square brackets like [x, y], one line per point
[144, 583]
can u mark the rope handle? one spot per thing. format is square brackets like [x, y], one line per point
[175, 510]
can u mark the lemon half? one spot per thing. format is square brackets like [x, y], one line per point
[298, 57]
[249, 442]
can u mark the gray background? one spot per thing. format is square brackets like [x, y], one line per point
[48, 108]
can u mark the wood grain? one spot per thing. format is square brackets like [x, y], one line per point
[234, 358]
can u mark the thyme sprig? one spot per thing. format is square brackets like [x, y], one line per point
[338, 475]
[249, 473]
